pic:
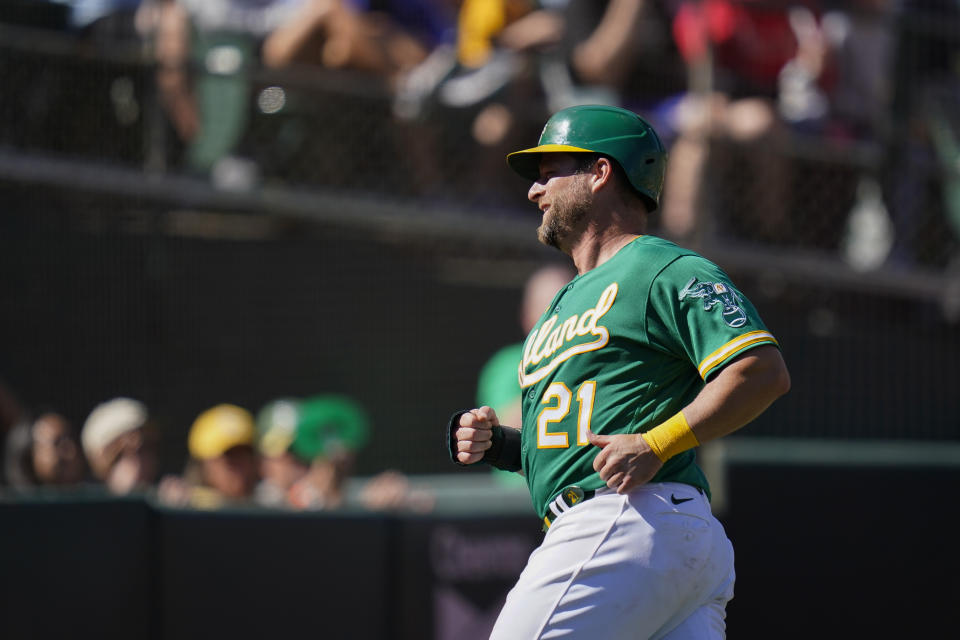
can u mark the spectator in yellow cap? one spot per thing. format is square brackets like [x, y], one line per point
[223, 467]
[120, 443]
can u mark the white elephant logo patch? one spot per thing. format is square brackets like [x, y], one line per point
[717, 293]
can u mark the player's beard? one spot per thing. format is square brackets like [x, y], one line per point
[566, 212]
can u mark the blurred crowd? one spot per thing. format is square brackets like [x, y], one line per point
[294, 453]
[738, 89]
[742, 92]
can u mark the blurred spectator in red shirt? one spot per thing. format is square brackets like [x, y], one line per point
[734, 53]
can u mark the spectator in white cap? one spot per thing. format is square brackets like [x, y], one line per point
[120, 444]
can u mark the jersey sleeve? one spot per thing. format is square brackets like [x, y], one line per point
[697, 314]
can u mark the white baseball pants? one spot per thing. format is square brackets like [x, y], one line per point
[635, 566]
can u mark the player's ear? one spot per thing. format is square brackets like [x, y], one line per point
[602, 172]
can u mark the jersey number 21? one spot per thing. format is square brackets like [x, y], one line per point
[558, 399]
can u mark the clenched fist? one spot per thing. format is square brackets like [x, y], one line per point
[474, 434]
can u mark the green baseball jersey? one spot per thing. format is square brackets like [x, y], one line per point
[620, 349]
[497, 385]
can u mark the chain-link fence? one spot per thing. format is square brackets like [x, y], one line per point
[858, 163]
[318, 234]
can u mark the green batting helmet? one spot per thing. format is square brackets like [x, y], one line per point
[610, 131]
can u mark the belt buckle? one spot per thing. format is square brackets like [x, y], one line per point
[567, 498]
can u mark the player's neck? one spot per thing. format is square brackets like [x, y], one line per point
[602, 238]
[591, 253]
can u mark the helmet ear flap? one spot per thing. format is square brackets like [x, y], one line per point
[637, 185]
[647, 177]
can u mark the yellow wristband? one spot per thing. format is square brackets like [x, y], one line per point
[671, 437]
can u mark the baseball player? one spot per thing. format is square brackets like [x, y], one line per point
[648, 352]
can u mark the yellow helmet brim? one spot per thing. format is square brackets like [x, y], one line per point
[526, 162]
